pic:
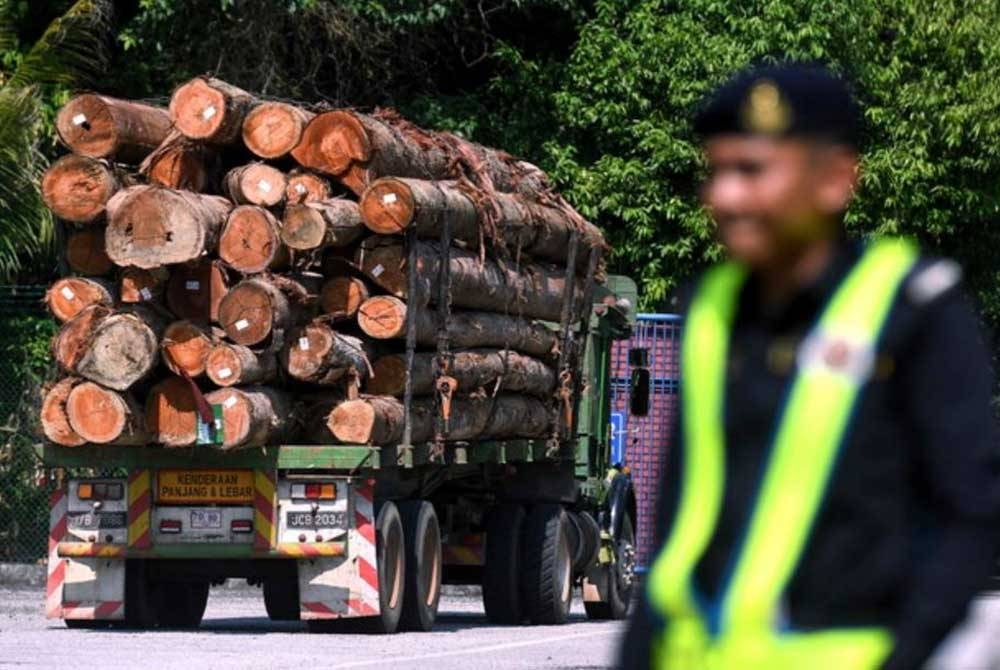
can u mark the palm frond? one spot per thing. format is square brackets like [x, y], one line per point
[8, 31]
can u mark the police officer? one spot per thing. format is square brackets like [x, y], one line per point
[831, 498]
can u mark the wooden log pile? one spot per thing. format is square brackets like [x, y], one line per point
[245, 272]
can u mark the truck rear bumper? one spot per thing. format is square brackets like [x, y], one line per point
[204, 551]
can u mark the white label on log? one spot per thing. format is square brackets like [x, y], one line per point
[208, 112]
[377, 271]
[264, 185]
[146, 294]
[388, 198]
[79, 119]
[242, 324]
[300, 189]
[304, 343]
[192, 285]
[229, 402]
[225, 373]
[67, 293]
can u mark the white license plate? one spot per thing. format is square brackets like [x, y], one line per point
[202, 519]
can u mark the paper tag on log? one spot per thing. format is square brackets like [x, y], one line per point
[264, 185]
[79, 120]
[192, 285]
[146, 294]
[225, 373]
[229, 402]
[377, 271]
[304, 343]
[388, 198]
[300, 189]
[67, 293]
[242, 324]
[208, 112]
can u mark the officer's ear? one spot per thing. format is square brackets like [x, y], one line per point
[836, 169]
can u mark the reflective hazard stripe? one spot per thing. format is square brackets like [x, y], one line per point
[56, 578]
[264, 500]
[140, 500]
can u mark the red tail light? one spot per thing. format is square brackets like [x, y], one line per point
[241, 526]
[170, 526]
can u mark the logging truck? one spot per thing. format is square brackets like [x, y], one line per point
[355, 535]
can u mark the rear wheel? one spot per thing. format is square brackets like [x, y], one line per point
[547, 565]
[139, 607]
[422, 583]
[502, 567]
[281, 599]
[621, 577]
[180, 604]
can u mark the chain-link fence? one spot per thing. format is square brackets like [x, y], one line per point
[25, 365]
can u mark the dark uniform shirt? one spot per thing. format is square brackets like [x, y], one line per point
[907, 532]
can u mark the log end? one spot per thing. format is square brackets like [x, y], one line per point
[181, 167]
[306, 187]
[55, 422]
[237, 415]
[224, 366]
[388, 376]
[332, 142]
[70, 345]
[272, 129]
[352, 422]
[303, 228]
[306, 352]
[342, 296]
[198, 110]
[382, 317]
[171, 417]
[86, 252]
[195, 290]
[77, 188]
[137, 285]
[260, 184]
[97, 414]
[185, 347]
[249, 240]
[387, 206]
[86, 126]
[69, 296]
[247, 313]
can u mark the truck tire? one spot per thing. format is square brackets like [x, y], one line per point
[546, 565]
[502, 566]
[422, 583]
[140, 611]
[180, 604]
[391, 556]
[281, 599]
[621, 577]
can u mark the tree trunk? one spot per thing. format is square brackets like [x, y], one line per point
[85, 252]
[55, 422]
[115, 349]
[315, 225]
[255, 184]
[384, 317]
[195, 290]
[342, 296]
[171, 413]
[178, 163]
[185, 347]
[253, 416]
[69, 296]
[232, 364]
[320, 355]
[272, 129]
[150, 226]
[136, 285]
[475, 369]
[535, 291]
[103, 416]
[251, 240]
[379, 419]
[101, 127]
[77, 188]
[210, 110]
[305, 187]
[260, 306]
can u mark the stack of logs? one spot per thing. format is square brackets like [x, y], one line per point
[294, 275]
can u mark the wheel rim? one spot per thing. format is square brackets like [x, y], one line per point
[625, 558]
[565, 567]
[394, 558]
[431, 554]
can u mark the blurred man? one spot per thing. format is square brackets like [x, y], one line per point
[831, 502]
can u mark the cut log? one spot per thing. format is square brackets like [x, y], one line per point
[252, 416]
[232, 364]
[384, 317]
[253, 310]
[315, 418]
[101, 127]
[55, 422]
[77, 188]
[305, 186]
[272, 129]
[316, 225]
[342, 296]
[171, 413]
[320, 355]
[69, 296]
[255, 184]
[136, 285]
[210, 110]
[195, 290]
[150, 226]
[103, 416]
[115, 349]
[251, 240]
[86, 253]
[379, 419]
[475, 369]
[535, 291]
[178, 163]
[185, 347]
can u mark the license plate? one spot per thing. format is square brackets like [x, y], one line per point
[226, 487]
[92, 521]
[202, 519]
[317, 520]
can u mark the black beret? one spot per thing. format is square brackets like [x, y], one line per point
[786, 100]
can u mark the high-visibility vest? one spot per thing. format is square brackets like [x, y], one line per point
[741, 631]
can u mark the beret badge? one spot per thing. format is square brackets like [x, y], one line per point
[765, 110]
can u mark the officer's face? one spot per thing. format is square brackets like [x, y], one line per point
[771, 198]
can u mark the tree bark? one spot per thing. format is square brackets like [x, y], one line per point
[252, 416]
[86, 253]
[136, 285]
[70, 295]
[379, 419]
[103, 416]
[178, 163]
[255, 184]
[102, 127]
[251, 240]
[150, 226]
[256, 308]
[316, 225]
[304, 186]
[487, 369]
[171, 413]
[231, 364]
[55, 422]
[535, 291]
[77, 188]
[318, 354]
[272, 129]
[342, 296]
[315, 417]
[210, 110]
[115, 349]
[195, 290]
[185, 347]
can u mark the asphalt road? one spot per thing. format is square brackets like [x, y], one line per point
[237, 634]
